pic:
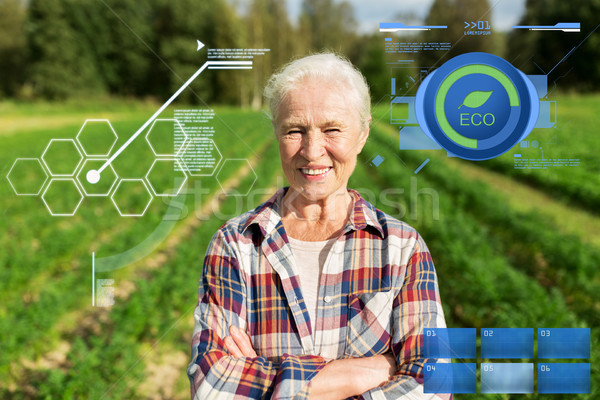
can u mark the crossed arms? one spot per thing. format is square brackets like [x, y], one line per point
[225, 364]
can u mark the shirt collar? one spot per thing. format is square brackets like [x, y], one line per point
[267, 216]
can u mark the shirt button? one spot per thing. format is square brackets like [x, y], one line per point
[327, 299]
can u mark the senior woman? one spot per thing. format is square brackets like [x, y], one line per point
[315, 294]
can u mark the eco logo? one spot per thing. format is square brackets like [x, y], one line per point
[477, 106]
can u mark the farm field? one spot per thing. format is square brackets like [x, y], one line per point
[512, 248]
[573, 137]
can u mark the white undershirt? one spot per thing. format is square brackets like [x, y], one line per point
[310, 258]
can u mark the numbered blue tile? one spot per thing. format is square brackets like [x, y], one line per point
[564, 343]
[450, 378]
[450, 343]
[507, 343]
[564, 378]
[507, 378]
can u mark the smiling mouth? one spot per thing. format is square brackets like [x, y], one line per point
[315, 171]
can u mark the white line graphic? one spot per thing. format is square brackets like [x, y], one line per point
[93, 279]
[93, 176]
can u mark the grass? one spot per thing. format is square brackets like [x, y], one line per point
[509, 251]
[574, 137]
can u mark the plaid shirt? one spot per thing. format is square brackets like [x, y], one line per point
[377, 292]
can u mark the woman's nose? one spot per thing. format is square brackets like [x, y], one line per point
[313, 145]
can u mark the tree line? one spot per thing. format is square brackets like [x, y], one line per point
[58, 49]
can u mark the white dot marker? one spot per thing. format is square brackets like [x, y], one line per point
[92, 176]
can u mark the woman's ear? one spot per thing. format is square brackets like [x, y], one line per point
[364, 135]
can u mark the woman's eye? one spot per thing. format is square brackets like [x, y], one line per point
[294, 131]
[332, 130]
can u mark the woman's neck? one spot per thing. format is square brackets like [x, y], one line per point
[322, 219]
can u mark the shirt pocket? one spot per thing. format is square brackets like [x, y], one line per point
[369, 323]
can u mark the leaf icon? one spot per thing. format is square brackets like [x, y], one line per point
[476, 99]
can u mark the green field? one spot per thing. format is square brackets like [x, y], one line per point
[513, 248]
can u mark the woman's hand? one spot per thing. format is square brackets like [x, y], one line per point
[339, 379]
[352, 377]
[239, 344]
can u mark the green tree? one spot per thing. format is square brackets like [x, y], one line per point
[268, 28]
[326, 25]
[454, 14]
[118, 33]
[541, 51]
[368, 54]
[62, 65]
[179, 23]
[13, 46]
[131, 47]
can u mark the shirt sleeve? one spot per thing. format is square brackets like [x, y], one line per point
[416, 307]
[213, 372]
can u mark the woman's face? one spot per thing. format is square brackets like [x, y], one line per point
[320, 134]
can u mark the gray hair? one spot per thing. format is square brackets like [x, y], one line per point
[327, 67]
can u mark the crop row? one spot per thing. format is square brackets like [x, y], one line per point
[466, 252]
[53, 282]
[579, 188]
[527, 240]
[575, 137]
[157, 315]
[480, 286]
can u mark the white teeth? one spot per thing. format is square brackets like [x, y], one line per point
[309, 171]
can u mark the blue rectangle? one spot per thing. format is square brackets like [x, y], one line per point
[388, 39]
[400, 25]
[450, 378]
[450, 343]
[564, 378]
[564, 343]
[507, 343]
[424, 163]
[557, 26]
[377, 160]
[413, 138]
[547, 115]
[540, 82]
[506, 378]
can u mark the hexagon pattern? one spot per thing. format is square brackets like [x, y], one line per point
[231, 166]
[178, 155]
[107, 181]
[131, 197]
[97, 137]
[201, 157]
[62, 197]
[62, 157]
[27, 176]
[166, 137]
[166, 177]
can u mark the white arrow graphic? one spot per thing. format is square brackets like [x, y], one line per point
[93, 176]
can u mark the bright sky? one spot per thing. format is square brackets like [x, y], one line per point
[505, 13]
